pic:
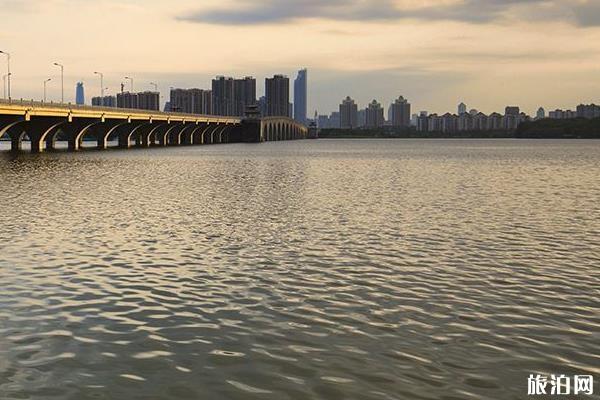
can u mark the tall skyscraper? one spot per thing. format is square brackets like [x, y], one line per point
[244, 94]
[462, 108]
[277, 95]
[79, 94]
[400, 112]
[374, 115]
[222, 96]
[301, 96]
[348, 114]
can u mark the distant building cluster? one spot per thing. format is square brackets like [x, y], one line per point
[350, 117]
[106, 101]
[562, 114]
[141, 101]
[471, 121]
[587, 111]
[228, 97]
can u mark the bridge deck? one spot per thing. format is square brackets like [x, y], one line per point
[41, 109]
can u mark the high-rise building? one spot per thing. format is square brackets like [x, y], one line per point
[348, 114]
[374, 115]
[462, 108]
[588, 111]
[244, 94]
[423, 122]
[449, 123]
[127, 100]
[480, 122]
[191, 101]
[361, 118]
[106, 101]
[400, 112]
[300, 96]
[180, 101]
[512, 117]
[148, 101]
[205, 105]
[512, 110]
[495, 121]
[334, 120]
[465, 122]
[79, 94]
[277, 95]
[323, 121]
[222, 96]
[541, 113]
[262, 105]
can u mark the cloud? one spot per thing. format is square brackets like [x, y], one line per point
[256, 12]
[583, 13]
[588, 13]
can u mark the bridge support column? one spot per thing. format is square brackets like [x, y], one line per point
[39, 129]
[74, 143]
[124, 140]
[16, 143]
[51, 142]
[145, 140]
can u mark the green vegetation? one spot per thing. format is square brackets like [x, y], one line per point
[408, 133]
[578, 128]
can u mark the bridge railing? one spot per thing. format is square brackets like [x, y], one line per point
[70, 106]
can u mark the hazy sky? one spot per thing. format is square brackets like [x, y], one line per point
[487, 53]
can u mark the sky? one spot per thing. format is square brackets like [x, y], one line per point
[436, 53]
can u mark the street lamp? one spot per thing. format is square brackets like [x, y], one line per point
[101, 83]
[4, 84]
[155, 86]
[45, 83]
[8, 70]
[62, 82]
[131, 80]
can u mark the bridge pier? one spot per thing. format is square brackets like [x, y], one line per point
[187, 134]
[16, 143]
[38, 129]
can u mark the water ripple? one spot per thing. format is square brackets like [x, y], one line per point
[308, 270]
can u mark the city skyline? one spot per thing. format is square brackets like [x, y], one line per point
[449, 51]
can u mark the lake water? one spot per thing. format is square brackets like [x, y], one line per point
[329, 269]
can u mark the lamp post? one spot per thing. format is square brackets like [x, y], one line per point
[4, 84]
[131, 80]
[101, 83]
[155, 86]
[45, 83]
[8, 70]
[62, 82]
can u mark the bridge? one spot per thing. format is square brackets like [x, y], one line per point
[43, 124]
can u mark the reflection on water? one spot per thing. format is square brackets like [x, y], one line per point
[299, 270]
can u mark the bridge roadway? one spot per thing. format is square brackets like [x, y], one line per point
[45, 123]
